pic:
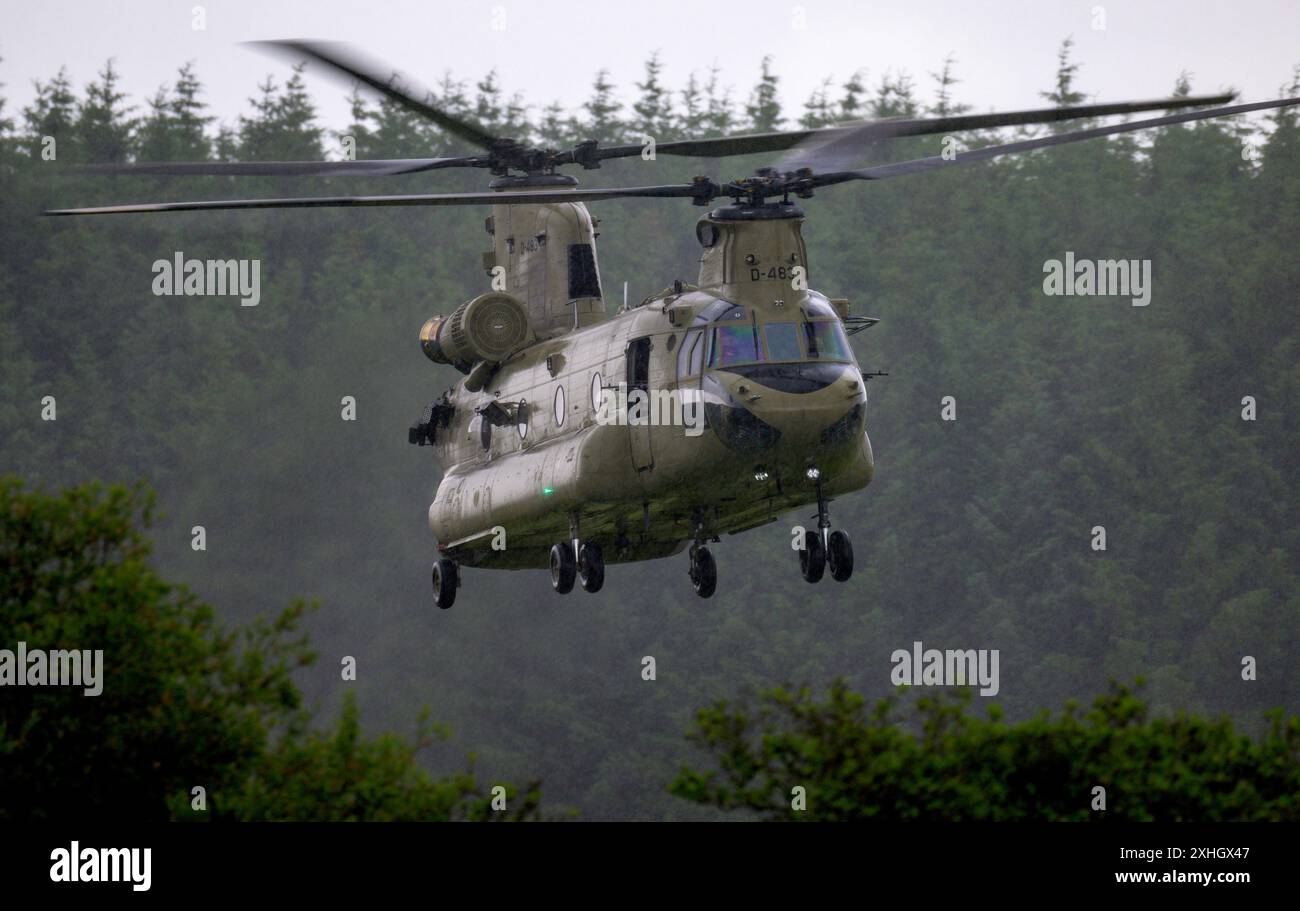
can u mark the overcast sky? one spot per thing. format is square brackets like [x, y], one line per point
[550, 50]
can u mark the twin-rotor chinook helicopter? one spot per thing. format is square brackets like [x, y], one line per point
[577, 437]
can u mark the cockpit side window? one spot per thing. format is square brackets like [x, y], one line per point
[690, 356]
[827, 341]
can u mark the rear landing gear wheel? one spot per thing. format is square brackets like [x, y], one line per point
[704, 572]
[563, 568]
[840, 556]
[591, 568]
[812, 559]
[446, 579]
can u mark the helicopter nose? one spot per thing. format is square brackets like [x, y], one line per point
[788, 409]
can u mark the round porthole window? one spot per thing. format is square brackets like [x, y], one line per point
[597, 393]
[559, 406]
[521, 417]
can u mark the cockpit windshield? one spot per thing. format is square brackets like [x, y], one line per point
[726, 335]
[753, 343]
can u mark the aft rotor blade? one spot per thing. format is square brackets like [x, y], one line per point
[897, 169]
[717, 147]
[837, 148]
[343, 59]
[701, 190]
[367, 168]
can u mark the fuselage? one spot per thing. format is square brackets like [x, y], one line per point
[705, 410]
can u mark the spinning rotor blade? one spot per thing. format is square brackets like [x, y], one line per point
[838, 147]
[373, 168]
[702, 190]
[847, 141]
[897, 169]
[348, 62]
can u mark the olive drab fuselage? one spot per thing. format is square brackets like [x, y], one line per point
[758, 391]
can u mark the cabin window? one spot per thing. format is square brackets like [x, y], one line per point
[583, 280]
[597, 393]
[559, 406]
[485, 433]
[638, 364]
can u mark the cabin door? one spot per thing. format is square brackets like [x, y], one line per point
[638, 377]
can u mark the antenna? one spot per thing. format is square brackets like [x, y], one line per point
[624, 297]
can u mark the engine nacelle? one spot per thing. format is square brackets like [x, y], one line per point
[490, 328]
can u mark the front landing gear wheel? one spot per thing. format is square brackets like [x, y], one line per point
[563, 568]
[704, 572]
[812, 559]
[591, 568]
[446, 579]
[840, 556]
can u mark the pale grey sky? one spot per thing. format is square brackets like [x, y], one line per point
[550, 50]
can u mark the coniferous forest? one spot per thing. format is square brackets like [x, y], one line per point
[1172, 426]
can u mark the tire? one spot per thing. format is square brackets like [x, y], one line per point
[563, 568]
[591, 568]
[446, 579]
[704, 573]
[812, 559]
[840, 556]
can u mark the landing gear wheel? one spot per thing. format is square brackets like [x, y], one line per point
[591, 568]
[446, 579]
[840, 556]
[704, 572]
[563, 568]
[812, 559]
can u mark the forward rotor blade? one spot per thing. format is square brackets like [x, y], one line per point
[854, 136]
[703, 190]
[839, 147]
[343, 59]
[897, 169]
[367, 168]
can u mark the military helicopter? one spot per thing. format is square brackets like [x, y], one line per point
[576, 437]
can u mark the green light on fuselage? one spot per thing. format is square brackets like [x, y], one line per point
[547, 491]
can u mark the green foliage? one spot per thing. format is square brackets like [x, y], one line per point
[863, 763]
[184, 702]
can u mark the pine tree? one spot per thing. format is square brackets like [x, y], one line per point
[944, 106]
[553, 130]
[818, 110]
[1064, 94]
[851, 107]
[176, 127]
[693, 116]
[191, 123]
[894, 97]
[102, 121]
[719, 117]
[653, 108]
[487, 103]
[602, 109]
[53, 114]
[764, 108]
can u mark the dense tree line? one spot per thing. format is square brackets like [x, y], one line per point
[1072, 413]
